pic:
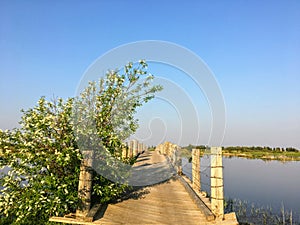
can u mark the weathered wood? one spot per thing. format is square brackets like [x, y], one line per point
[164, 203]
[130, 149]
[196, 198]
[144, 147]
[85, 184]
[177, 161]
[170, 202]
[92, 213]
[217, 189]
[125, 153]
[135, 147]
[196, 169]
[140, 147]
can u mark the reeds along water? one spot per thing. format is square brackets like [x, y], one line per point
[250, 213]
[258, 187]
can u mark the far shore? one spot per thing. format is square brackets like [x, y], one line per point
[263, 157]
[263, 153]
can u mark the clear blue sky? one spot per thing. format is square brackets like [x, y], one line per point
[253, 48]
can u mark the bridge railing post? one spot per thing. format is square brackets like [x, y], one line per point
[140, 147]
[125, 153]
[130, 149]
[85, 184]
[135, 147]
[176, 160]
[217, 188]
[196, 169]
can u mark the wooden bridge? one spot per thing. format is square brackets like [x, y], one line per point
[173, 201]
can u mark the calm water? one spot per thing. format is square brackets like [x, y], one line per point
[271, 183]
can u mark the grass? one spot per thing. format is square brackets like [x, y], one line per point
[252, 214]
[264, 153]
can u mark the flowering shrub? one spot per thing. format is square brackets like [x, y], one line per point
[44, 156]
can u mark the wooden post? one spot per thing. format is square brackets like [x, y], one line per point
[85, 184]
[168, 148]
[130, 149]
[196, 169]
[217, 188]
[160, 149]
[140, 147]
[135, 147]
[178, 161]
[125, 152]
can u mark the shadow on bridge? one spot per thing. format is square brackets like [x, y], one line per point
[166, 198]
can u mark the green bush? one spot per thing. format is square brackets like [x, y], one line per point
[44, 154]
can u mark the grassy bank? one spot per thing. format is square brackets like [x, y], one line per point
[264, 153]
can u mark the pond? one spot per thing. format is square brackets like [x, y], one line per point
[264, 183]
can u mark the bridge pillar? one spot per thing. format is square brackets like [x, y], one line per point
[196, 169]
[177, 160]
[135, 147]
[130, 149]
[85, 184]
[125, 153]
[217, 188]
[140, 147]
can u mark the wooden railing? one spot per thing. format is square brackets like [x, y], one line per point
[212, 210]
[85, 211]
[172, 152]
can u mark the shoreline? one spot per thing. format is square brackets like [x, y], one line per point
[265, 157]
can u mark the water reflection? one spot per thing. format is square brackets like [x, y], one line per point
[266, 183]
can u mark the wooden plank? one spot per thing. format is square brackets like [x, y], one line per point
[170, 202]
[202, 206]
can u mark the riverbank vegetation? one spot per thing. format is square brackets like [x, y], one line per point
[45, 154]
[249, 213]
[264, 153]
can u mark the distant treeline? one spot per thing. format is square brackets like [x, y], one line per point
[245, 148]
[263, 149]
[190, 147]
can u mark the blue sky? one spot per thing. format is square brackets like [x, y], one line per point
[252, 47]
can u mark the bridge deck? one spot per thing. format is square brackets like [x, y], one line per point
[164, 203]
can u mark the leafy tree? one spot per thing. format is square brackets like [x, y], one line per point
[44, 154]
[44, 161]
